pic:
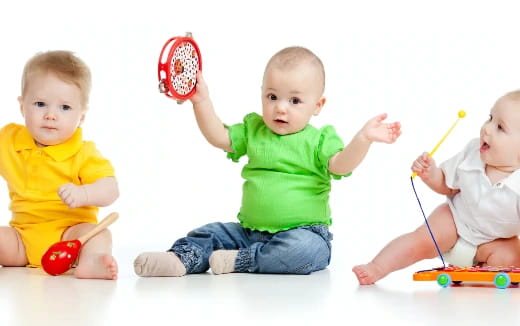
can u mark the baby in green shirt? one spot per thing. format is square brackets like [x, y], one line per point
[285, 214]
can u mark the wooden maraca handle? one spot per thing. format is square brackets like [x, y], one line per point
[99, 227]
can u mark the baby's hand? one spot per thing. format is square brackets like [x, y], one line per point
[73, 195]
[376, 130]
[201, 90]
[423, 166]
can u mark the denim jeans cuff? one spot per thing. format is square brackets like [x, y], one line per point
[244, 260]
[189, 255]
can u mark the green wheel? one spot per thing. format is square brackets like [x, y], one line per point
[444, 280]
[502, 280]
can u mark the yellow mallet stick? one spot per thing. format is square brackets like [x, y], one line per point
[461, 114]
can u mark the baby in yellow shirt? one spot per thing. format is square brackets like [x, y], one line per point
[56, 180]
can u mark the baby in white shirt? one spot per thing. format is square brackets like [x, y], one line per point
[480, 222]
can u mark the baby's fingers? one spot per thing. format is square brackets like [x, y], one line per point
[417, 167]
[200, 79]
[64, 194]
[421, 163]
[70, 201]
[424, 160]
[64, 189]
[395, 130]
[66, 197]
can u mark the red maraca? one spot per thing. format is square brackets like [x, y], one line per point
[60, 256]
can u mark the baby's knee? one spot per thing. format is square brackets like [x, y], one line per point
[500, 252]
[504, 258]
[422, 246]
[313, 251]
[105, 234]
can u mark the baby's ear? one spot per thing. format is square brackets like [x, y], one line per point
[82, 119]
[20, 101]
[85, 109]
[319, 105]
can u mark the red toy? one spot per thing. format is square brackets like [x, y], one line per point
[60, 256]
[179, 63]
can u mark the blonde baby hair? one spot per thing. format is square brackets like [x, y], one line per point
[65, 65]
[293, 56]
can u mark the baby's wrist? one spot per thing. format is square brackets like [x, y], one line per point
[85, 195]
[203, 104]
[364, 136]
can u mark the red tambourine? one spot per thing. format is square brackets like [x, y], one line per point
[179, 63]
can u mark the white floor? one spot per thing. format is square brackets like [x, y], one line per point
[332, 296]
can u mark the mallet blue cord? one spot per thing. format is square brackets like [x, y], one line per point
[428, 225]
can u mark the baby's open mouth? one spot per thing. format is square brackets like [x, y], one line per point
[484, 147]
[280, 121]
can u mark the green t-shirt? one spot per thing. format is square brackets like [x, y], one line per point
[287, 178]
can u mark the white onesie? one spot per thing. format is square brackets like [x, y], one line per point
[482, 211]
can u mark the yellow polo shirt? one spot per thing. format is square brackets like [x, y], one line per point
[33, 176]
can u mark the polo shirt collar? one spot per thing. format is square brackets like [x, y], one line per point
[23, 140]
[513, 181]
[473, 163]
[60, 152]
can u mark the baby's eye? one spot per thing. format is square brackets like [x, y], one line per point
[65, 107]
[295, 100]
[272, 97]
[39, 104]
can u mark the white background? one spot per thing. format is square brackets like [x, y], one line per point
[421, 62]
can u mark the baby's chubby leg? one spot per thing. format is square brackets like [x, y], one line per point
[12, 249]
[500, 252]
[95, 259]
[412, 247]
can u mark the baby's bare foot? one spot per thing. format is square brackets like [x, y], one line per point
[99, 267]
[367, 274]
[159, 264]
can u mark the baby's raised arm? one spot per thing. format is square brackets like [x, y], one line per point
[209, 123]
[374, 130]
[432, 175]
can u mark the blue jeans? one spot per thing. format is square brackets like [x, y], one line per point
[301, 250]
